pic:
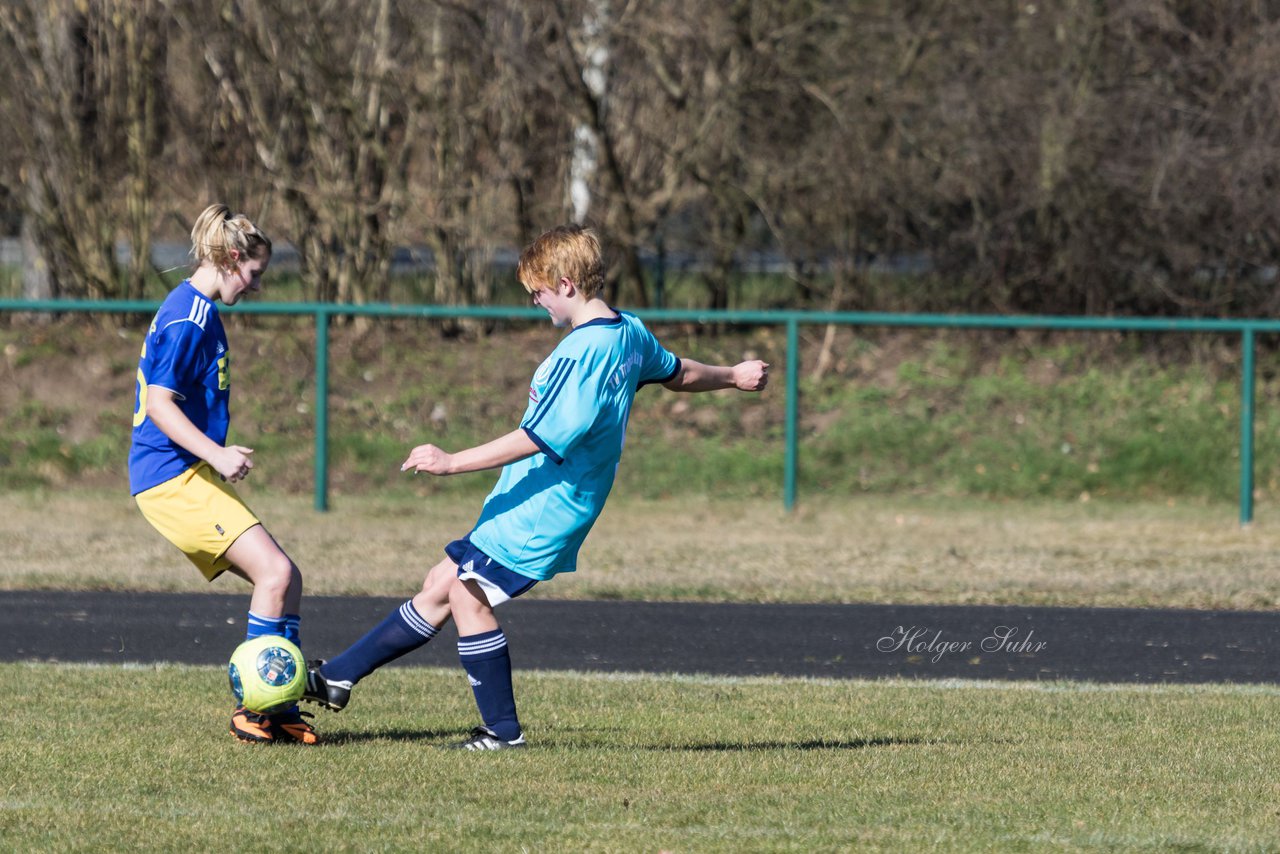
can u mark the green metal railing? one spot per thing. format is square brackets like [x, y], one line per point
[792, 320]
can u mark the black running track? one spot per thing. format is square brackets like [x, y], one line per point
[831, 641]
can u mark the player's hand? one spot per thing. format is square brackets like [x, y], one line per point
[428, 458]
[234, 463]
[751, 375]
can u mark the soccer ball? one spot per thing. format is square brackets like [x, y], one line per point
[267, 673]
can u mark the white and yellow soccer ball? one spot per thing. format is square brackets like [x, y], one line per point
[267, 674]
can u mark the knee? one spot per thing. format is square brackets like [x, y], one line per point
[456, 592]
[462, 599]
[280, 573]
[438, 581]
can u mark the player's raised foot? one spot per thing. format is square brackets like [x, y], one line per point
[483, 738]
[331, 694]
[251, 726]
[291, 728]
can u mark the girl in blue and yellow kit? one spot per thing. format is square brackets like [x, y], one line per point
[181, 469]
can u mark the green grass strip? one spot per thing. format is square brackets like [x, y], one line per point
[114, 758]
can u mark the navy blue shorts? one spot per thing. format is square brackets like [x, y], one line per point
[498, 583]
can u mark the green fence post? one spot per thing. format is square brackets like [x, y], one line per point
[322, 410]
[793, 399]
[1246, 426]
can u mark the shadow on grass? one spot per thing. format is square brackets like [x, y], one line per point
[448, 736]
[338, 739]
[811, 744]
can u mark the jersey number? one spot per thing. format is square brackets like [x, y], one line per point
[140, 412]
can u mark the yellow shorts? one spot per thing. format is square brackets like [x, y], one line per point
[199, 513]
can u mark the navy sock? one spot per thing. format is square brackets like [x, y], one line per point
[488, 665]
[401, 632]
[259, 625]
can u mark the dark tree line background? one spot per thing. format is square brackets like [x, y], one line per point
[1078, 156]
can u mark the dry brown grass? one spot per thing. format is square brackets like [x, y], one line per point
[871, 549]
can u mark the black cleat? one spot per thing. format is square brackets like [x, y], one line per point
[331, 694]
[482, 738]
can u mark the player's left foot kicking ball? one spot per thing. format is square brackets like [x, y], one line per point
[331, 694]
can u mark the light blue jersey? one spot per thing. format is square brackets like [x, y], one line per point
[540, 511]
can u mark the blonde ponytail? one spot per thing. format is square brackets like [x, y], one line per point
[217, 232]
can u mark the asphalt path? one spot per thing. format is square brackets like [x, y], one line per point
[828, 641]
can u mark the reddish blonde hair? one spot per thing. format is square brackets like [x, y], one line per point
[568, 252]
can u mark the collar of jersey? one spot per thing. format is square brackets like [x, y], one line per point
[601, 321]
[194, 289]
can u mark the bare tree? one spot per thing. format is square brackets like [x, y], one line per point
[623, 180]
[85, 107]
[700, 62]
[468, 96]
[1093, 158]
[319, 95]
[1079, 157]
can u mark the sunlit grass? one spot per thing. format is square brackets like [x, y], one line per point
[111, 758]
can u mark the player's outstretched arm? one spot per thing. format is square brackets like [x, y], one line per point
[751, 375]
[516, 445]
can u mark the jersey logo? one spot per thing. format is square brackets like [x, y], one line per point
[547, 384]
[544, 371]
[540, 380]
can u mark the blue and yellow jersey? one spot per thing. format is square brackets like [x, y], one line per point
[540, 511]
[185, 351]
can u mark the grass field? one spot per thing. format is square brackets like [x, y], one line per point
[856, 549]
[109, 759]
[100, 758]
[932, 473]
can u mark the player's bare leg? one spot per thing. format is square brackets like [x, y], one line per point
[277, 583]
[432, 601]
[277, 593]
[470, 608]
[482, 648]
